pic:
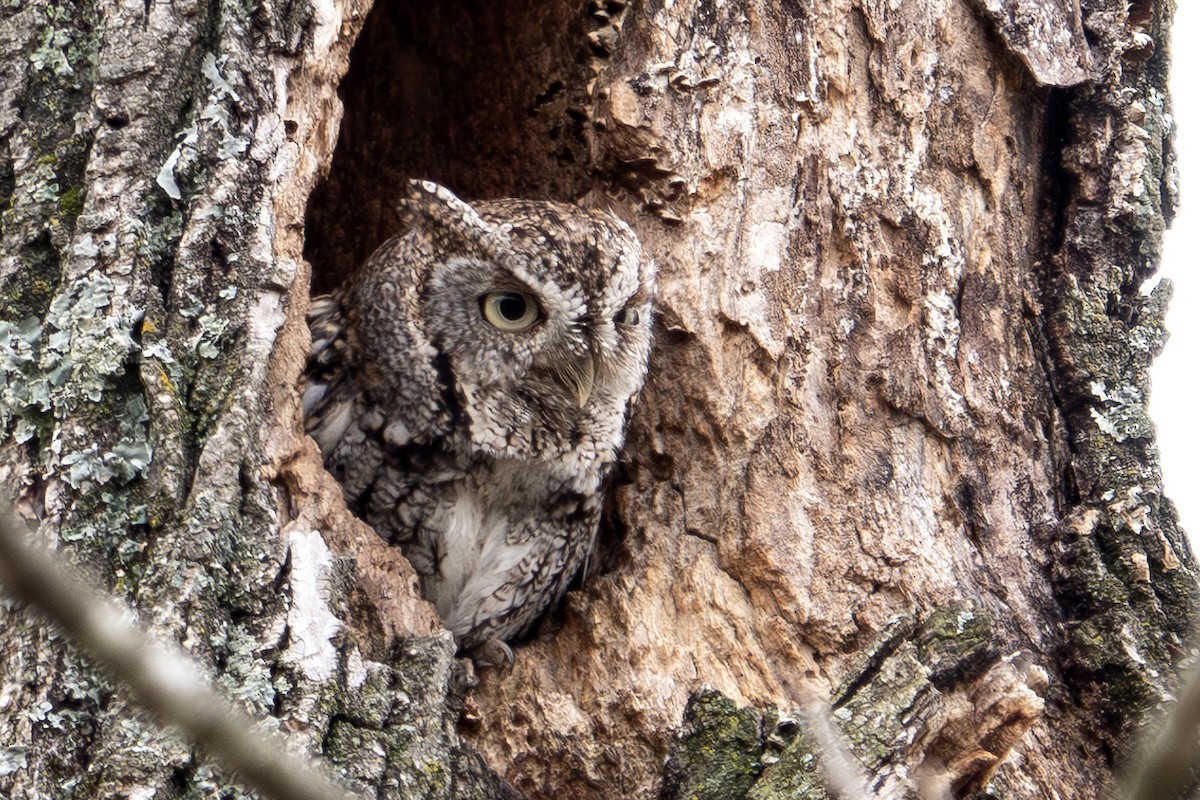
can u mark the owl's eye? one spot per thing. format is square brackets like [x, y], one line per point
[627, 316]
[509, 311]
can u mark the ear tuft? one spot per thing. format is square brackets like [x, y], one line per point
[435, 208]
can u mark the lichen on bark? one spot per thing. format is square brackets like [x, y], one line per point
[892, 450]
[950, 670]
[719, 750]
[153, 295]
[1124, 572]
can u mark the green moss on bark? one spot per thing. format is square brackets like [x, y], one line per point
[731, 753]
[1121, 570]
[718, 752]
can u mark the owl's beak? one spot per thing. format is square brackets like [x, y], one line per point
[579, 376]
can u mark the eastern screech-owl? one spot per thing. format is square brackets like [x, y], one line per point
[469, 390]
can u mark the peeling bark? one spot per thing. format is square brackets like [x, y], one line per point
[893, 450]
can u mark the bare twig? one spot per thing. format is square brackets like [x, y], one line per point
[1167, 767]
[844, 776]
[163, 679]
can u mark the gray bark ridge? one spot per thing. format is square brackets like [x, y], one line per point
[154, 163]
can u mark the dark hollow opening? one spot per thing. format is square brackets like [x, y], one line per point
[487, 98]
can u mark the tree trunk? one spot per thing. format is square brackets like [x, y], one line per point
[893, 451]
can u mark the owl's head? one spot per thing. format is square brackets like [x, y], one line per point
[534, 315]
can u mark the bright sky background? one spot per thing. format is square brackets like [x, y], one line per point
[1175, 378]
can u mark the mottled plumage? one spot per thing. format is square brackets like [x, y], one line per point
[469, 390]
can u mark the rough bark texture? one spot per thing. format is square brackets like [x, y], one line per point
[893, 450]
[157, 162]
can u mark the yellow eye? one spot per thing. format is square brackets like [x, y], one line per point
[509, 311]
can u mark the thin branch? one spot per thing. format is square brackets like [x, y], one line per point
[1167, 768]
[844, 776]
[163, 679]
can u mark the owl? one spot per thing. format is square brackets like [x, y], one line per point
[469, 389]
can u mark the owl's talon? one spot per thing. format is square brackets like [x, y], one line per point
[493, 653]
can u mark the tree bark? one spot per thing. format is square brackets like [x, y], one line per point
[893, 454]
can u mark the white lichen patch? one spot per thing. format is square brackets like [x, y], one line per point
[12, 759]
[209, 330]
[943, 262]
[213, 120]
[266, 318]
[1120, 411]
[166, 174]
[310, 620]
[50, 371]
[1105, 424]
[356, 670]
